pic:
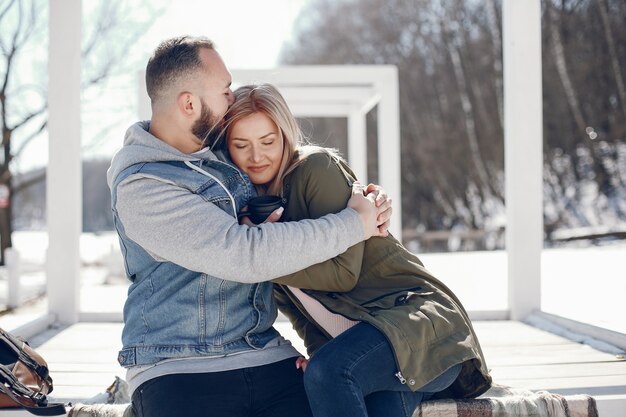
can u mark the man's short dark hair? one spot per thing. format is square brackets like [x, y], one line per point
[172, 59]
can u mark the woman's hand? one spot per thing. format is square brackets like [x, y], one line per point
[302, 363]
[383, 202]
[366, 207]
[272, 218]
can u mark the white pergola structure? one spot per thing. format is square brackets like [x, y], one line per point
[523, 145]
[348, 91]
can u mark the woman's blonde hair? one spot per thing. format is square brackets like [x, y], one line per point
[266, 99]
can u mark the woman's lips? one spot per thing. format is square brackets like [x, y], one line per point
[257, 169]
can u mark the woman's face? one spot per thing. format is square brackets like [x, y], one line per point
[256, 147]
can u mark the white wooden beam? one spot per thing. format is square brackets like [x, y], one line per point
[357, 144]
[383, 81]
[317, 94]
[64, 177]
[301, 109]
[389, 167]
[523, 120]
[313, 74]
[144, 108]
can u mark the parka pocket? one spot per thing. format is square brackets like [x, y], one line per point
[395, 298]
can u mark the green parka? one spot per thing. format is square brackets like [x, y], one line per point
[379, 282]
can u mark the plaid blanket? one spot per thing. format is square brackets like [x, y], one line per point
[501, 401]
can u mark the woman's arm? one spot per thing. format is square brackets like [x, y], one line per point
[324, 188]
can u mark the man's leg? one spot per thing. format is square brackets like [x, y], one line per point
[215, 394]
[278, 390]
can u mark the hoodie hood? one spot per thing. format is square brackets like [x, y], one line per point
[141, 146]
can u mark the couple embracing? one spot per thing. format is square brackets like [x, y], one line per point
[382, 334]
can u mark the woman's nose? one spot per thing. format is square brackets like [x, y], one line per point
[256, 155]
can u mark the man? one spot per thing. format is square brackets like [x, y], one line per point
[198, 336]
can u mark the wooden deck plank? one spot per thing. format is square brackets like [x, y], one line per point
[594, 385]
[513, 333]
[82, 359]
[575, 370]
[539, 357]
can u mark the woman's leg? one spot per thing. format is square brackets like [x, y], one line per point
[383, 403]
[392, 403]
[345, 370]
[357, 364]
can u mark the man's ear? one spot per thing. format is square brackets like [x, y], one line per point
[186, 103]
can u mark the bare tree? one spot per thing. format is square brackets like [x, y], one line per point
[111, 28]
[453, 46]
[562, 65]
[615, 64]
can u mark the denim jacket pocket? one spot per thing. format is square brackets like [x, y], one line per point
[127, 357]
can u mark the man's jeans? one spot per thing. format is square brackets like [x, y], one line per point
[273, 390]
[353, 375]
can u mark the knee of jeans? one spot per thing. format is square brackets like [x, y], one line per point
[317, 372]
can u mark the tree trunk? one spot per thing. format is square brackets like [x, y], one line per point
[617, 71]
[5, 230]
[496, 39]
[561, 66]
[466, 104]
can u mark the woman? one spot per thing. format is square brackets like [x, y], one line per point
[383, 334]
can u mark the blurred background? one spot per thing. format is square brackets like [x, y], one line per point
[449, 57]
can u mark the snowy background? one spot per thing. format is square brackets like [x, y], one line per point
[586, 284]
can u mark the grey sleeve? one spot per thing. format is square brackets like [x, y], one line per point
[176, 225]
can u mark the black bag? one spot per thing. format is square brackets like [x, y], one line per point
[24, 378]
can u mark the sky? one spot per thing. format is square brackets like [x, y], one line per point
[247, 33]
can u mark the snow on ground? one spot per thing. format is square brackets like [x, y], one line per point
[586, 284]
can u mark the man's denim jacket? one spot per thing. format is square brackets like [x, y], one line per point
[172, 312]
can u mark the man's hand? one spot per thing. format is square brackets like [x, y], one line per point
[366, 207]
[383, 202]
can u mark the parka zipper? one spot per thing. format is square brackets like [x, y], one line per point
[400, 377]
[397, 374]
[388, 294]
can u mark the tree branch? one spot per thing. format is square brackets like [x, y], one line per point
[23, 36]
[29, 117]
[17, 188]
[6, 9]
[14, 43]
[5, 81]
[30, 137]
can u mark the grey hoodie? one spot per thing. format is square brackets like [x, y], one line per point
[175, 225]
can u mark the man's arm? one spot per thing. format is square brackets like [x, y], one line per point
[174, 224]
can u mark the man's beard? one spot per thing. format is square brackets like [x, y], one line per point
[207, 128]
